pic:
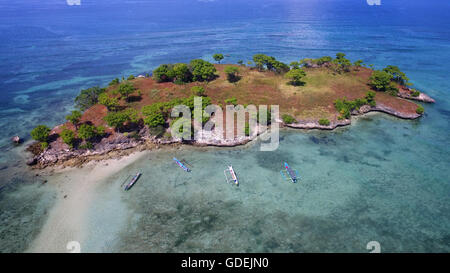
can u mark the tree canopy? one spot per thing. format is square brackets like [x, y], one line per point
[380, 80]
[40, 133]
[197, 70]
[106, 100]
[87, 131]
[126, 89]
[74, 117]
[232, 73]
[88, 97]
[68, 137]
[218, 57]
[263, 62]
[396, 75]
[296, 76]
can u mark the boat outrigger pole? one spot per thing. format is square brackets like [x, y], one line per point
[181, 165]
[233, 177]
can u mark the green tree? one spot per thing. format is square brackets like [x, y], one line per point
[110, 103]
[40, 133]
[340, 55]
[198, 90]
[396, 75]
[202, 70]
[116, 119]
[341, 64]
[114, 82]
[232, 73]
[370, 97]
[74, 118]
[125, 90]
[164, 73]
[295, 65]
[288, 119]
[181, 73]
[68, 137]
[131, 77]
[324, 122]
[358, 64]
[218, 57]
[296, 76]
[88, 97]
[87, 132]
[154, 119]
[240, 62]
[420, 110]
[380, 80]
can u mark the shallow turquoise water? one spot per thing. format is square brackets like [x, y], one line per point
[359, 184]
[381, 179]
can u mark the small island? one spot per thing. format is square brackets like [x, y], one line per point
[134, 112]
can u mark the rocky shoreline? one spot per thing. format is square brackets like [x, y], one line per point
[122, 145]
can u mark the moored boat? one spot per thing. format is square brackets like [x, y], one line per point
[133, 181]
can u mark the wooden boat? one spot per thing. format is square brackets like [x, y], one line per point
[181, 165]
[289, 174]
[233, 177]
[133, 181]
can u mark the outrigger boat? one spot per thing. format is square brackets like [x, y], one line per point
[181, 165]
[233, 177]
[133, 181]
[289, 174]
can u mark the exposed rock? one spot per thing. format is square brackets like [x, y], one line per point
[32, 161]
[16, 139]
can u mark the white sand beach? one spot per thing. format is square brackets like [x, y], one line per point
[76, 191]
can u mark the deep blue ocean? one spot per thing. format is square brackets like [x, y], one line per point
[382, 179]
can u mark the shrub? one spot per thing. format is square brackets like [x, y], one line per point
[295, 76]
[218, 57]
[110, 103]
[44, 145]
[420, 110]
[392, 89]
[232, 73]
[263, 61]
[396, 75]
[198, 90]
[40, 133]
[202, 70]
[87, 131]
[232, 100]
[125, 90]
[101, 130]
[86, 145]
[114, 82]
[288, 119]
[324, 122]
[181, 73]
[154, 119]
[131, 77]
[68, 137]
[88, 97]
[415, 93]
[74, 117]
[117, 119]
[164, 73]
[380, 80]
